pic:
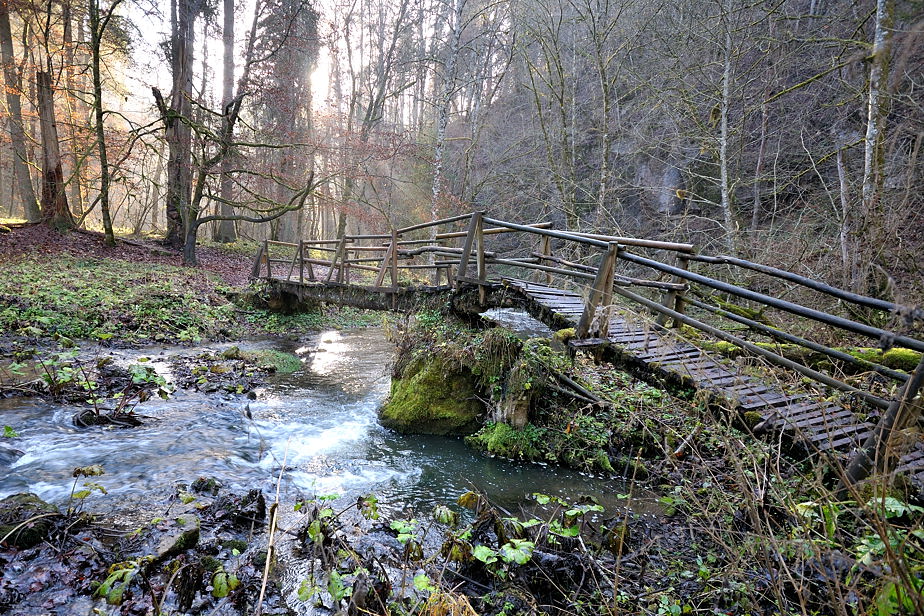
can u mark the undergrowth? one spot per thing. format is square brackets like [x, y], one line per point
[67, 298]
[106, 298]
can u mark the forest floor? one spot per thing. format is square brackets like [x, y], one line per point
[40, 241]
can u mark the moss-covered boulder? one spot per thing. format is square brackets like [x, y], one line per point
[182, 534]
[25, 520]
[432, 396]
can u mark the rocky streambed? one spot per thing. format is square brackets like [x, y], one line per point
[166, 504]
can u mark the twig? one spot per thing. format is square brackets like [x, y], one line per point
[271, 544]
[29, 521]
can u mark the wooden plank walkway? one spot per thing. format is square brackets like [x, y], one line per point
[812, 425]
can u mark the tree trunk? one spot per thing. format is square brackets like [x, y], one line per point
[727, 211]
[442, 110]
[875, 132]
[96, 34]
[226, 230]
[178, 135]
[21, 161]
[54, 200]
[70, 102]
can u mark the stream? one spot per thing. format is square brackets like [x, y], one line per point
[321, 422]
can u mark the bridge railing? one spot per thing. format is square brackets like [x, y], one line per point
[716, 298]
[469, 248]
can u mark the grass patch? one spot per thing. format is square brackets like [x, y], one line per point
[276, 361]
[105, 298]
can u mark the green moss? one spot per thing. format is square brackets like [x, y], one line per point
[432, 397]
[210, 563]
[502, 440]
[564, 335]
[895, 358]
[234, 544]
[498, 350]
[901, 359]
[742, 311]
[276, 361]
[74, 298]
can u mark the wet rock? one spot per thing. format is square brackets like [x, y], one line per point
[89, 417]
[26, 520]
[8, 454]
[232, 353]
[182, 535]
[433, 397]
[234, 544]
[206, 485]
[242, 511]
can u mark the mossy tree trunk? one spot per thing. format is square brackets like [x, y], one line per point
[55, 210]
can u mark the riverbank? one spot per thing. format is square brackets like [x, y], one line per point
[744, 528]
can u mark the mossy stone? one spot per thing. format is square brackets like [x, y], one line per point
[901, 359]
[274, 361]
[503, 440]
[234, 544]
[25, 509]
[182, 535]
[433, 397]
[232, 353]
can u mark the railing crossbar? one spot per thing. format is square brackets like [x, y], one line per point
[797, 309]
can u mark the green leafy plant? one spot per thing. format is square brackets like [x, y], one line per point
[119, 578]
[88, 487]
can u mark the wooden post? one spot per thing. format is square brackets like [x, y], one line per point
[547, 252]
[292, 265]
[383, 266]
[258, 262]
[673, 298]
[338, 256]
[394, 259]
[307, 261]
[602, 288]
[269, 269]
[904, 411]
[301, 263]
[683, 262]
[607, 299]
[345, 265]
[482, 273]
[473, 225]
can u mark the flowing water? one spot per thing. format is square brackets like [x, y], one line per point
[320, 422]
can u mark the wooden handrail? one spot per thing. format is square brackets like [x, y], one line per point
[782, 304]
[556, 234]
[434, 223]
[637, 241]
[862, 300]
[490, 231]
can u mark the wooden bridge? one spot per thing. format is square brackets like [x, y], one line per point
[654, 307]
